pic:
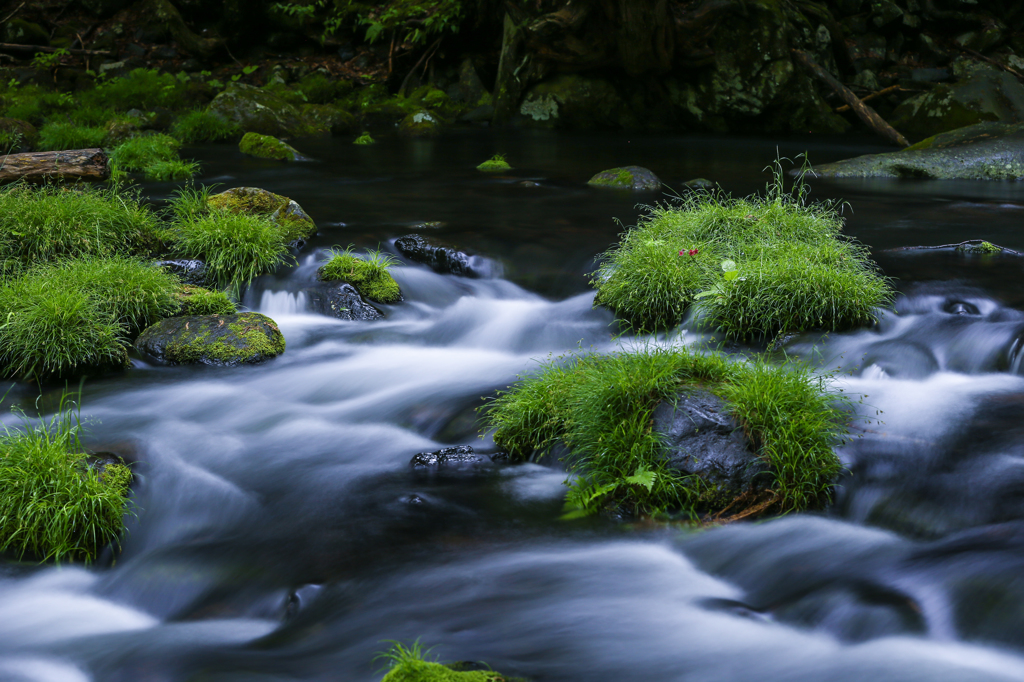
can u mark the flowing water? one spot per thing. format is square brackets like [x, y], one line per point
[281, 534]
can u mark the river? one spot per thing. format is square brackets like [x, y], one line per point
[280, 534]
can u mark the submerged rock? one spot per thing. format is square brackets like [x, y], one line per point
[267, 147]
[459, 456]
[285, 212]
[247, 338]
[442, 259]
[627, 177]
[702, 439]
[985, 151]
[341, 301]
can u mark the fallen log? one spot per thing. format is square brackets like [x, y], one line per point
[865, 113]
[873, 95]
[74, 164]
[971, 246]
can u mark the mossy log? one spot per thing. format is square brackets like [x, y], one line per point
[74, 164]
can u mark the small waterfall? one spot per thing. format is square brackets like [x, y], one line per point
[283, 302]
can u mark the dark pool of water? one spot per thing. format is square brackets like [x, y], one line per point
[280, 534]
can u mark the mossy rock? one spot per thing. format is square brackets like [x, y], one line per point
[576, 102]
[425, 671]
[259, 111]
[267, 147]
[24, 32]
[199, 301]
[245, 338]
[984, 151]
[370, 279]
[17, 135]
[295, 223]
[420, 124]
[496, 164]
[982, 94]
[627, 177]
[323, 119]
[363, 139]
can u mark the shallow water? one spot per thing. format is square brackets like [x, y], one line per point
[280, 533]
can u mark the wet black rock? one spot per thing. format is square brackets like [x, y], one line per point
[192, 272]
[341, 301]
[702, 439]
[458, 456]
[443, 259]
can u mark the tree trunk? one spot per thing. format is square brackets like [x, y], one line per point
[75, 164]
[507, 86]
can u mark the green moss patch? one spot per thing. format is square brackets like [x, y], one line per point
[267, 147]
[294, 223]
[199, 301]
[753, 268]
[495, 164]
[213, 339]
[365, 138]
[600, 408]
[204, 126]
[425, 671]
[627, 177]
[368, 275]
[53, 505]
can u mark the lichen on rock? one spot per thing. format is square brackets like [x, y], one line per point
[267, 147]
[245, 338]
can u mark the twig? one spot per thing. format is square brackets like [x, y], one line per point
[11, 47]
[11, 15]
[391, 54]
[432, 53]
[233, 56]
[969, 242]
[865, 113]
[873, 95]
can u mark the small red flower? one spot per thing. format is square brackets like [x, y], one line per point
[691, 252]
[680, 253]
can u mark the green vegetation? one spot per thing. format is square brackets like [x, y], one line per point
[204, 126]
[50, 222]
[246, 337]
[139, 89]
[54, 506]
[369, 275]
[198, 301]
[60, 135]
[236, 247]
[754, 267]
[365, 139]
[494, 164]
[156, 156]
[409, 664]
[267, 147]
[175, 169]
[600, 407]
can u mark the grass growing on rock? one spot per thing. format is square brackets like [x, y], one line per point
[410, 664]
[204, 126]
[369, 275]
[198, 301]
[53, 505]
[753, 267]
[236, 247]
[600, 407]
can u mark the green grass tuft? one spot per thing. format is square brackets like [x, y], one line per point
[365, 139]
[53, 505]
[236, 247]
[58, 136]
[410, 664]
[204, 126]
[139, 89]
[139, 153]
[792, 270]
[600, 408]
[176, 169]
[198, 301]
[494, 164]
[369, 275]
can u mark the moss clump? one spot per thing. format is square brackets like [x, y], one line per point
[601, 408]
[294, 223]
[425, 671]
[753, 267]
[365, 139]
[199, 301]
[369, 275]
[495, 164]
[53, 505]
[267, 147]
[627, 177]
[45, 223]
[204, 126]
[981, 249]
[213, 339]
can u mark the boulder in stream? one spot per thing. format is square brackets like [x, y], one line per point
[702, 439]
[341, 301]
[267, 147]
[286, 213]
[258, 111]
[984, 151]
[245, 338]
[442, 259]
[626, 177]
[457, 456]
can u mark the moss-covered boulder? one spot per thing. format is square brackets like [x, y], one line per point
[495, 164]
[369, 276]
[286, 213]
[984, 151]
[259, 111]
[25, 32]
[17, 135]
[364, 139]
[982, 93]
[423, 123]
[323, 119]
[626, 177]
[413, 670]
[267, 147]
[245, 338]
[576, 102]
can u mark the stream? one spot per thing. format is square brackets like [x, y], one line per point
[280, 534]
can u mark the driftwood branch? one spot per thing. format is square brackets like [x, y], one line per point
[13, 47]
[75, 164]
[873, 95]
[966, 246]
[865, 113]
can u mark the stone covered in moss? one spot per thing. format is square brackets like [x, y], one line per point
[247, 338]
[985, 151]
[370, 278]
[577, 102]
[627, 177]
[286, 213]
[259, 111]
[365, 138]
[199, 301]
[420, 124]
[495, 164]
[424, 671]
[327, 118]
[17, 135]
[267, 147]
